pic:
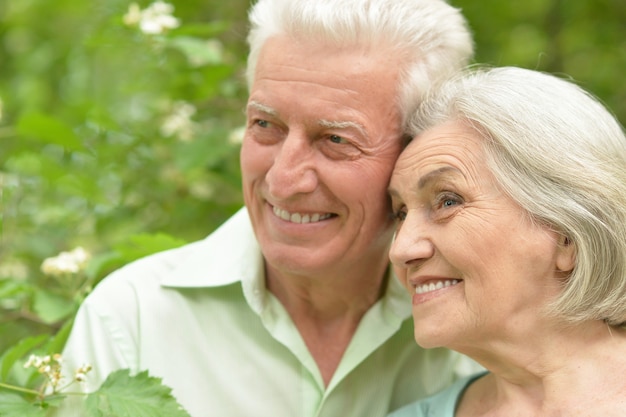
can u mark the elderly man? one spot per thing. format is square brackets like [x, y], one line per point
[289, 308]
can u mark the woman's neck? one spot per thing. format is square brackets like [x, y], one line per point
[562, 372]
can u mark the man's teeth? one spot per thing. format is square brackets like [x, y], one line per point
[300, 218]
[421, 289]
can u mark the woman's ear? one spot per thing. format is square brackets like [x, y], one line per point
[566, 254]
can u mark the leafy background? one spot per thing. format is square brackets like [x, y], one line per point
[125, 143]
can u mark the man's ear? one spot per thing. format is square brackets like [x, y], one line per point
[566, 254]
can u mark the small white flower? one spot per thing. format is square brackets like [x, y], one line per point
[155, 19]
[81, 373]
[80, 256]
[161, 8]
[31, 362]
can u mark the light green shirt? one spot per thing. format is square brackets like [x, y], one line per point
[201, 318]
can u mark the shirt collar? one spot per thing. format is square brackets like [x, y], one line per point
[396, 299]
[230, 254]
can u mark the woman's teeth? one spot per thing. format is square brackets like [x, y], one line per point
[432, 286]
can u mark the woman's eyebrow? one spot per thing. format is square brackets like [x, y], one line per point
[435, 175]
[427, 179]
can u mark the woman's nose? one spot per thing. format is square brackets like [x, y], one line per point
[411, 243]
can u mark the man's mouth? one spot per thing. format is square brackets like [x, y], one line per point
[301, 218]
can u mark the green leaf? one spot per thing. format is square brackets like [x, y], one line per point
[141, 245]
[12, 405]
[202, 30]
[56, 343]
[18, 351]
[48, 130]
[203, 153]
[103, 263]
[138, 396]
[11, 288]
[51, 307]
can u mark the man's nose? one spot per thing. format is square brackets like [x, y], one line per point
[293, 170]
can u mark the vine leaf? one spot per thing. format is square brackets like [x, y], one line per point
[13, 405]
[122, 395]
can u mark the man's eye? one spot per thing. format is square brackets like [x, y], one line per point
[337, 139]
[262, 123]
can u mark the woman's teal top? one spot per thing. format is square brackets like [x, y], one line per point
[441, 404]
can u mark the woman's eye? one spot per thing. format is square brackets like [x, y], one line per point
[448, 200]
[399, 215]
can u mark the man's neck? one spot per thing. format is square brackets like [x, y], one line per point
[328, 309]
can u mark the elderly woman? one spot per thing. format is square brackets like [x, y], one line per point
[511, 238]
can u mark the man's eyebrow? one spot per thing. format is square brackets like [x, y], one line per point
[343, 125]
[262, 107]
[332, 124]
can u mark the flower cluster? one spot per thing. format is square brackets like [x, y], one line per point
[50, 367]
[66, 263]
[154, 20]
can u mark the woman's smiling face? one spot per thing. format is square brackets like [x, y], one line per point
[474, 262]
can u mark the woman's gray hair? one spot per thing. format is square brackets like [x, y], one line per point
[561, 155]
[430, 36]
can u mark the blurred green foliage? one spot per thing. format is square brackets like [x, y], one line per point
[125, 143]
[106, 133]
[112, 139]
[581, 39]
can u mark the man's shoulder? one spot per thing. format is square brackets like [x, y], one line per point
[152, 271]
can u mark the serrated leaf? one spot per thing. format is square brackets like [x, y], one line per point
[18, 351]
[48, 130]
[122, 395]
[12, 405]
